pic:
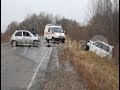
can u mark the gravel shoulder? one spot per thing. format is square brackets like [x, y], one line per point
[61, 75]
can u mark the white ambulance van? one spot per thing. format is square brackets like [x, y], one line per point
[54, 32]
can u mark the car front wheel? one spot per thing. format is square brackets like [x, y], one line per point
[48, 40]
[63, 41]
[14, 43]
[35, 43]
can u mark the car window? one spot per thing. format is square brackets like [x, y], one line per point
[26, 34]
[106, 48]
[98, 44]
[102, 46]
[57, 29]
[18, 34]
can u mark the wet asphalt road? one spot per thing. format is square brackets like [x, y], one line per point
[37, 68]
[20, 66]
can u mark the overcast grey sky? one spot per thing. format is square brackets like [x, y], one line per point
[17, 10]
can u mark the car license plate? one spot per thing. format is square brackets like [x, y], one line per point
[61, 36]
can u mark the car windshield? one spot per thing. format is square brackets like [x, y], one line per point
[56, 29]
[102, 46]
[106, 48]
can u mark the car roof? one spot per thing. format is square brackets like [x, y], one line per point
[103, 43]
[23, 30]
[54, 26]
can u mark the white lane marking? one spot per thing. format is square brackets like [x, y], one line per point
[30, 84]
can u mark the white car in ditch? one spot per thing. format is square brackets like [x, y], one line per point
[54, 32]
[102, 49]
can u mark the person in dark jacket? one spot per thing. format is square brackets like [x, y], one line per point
[33, 31]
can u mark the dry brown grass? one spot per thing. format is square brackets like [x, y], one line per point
[5, 38]
[98, 73]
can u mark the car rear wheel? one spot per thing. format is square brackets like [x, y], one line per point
[53, 40]
[48, 40]
[14, 43]
[35, 43]
[63, 41]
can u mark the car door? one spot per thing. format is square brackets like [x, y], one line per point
[49, 33]
[18, 37]
[104, 50]
[94, 46]
[100, 49]
[27, 38]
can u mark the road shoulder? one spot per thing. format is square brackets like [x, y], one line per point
[61, 75]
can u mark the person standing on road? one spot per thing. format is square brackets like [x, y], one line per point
[33, 31]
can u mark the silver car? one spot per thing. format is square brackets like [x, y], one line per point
[24, 37]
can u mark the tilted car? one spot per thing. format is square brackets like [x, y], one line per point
[102, 49]
[24, 37]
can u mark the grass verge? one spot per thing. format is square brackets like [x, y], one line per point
[98, 73]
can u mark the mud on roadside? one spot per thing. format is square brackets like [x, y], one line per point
[61, 75]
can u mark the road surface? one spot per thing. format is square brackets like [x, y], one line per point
[37, 68]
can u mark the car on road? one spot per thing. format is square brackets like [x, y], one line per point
[24, 37]
[102, 49]
[54, 32]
